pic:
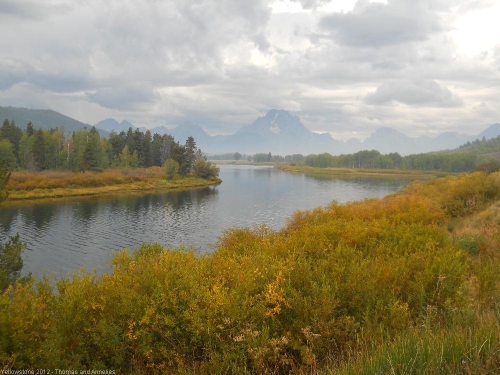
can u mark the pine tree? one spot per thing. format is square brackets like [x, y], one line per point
[39, 150]
[190, 152]
[146, 149]
[30, 129]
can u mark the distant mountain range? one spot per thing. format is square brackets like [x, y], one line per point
[278, 132]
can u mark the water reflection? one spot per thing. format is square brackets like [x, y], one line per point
[63, 236]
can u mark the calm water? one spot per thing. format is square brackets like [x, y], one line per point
[67, 235]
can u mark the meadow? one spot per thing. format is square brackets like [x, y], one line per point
[407, 284]
[331, 171]
[25, 185]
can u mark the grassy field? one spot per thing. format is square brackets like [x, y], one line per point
[58, 184]
[360, 171]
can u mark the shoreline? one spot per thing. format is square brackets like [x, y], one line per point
[54, 185]
[362, 172]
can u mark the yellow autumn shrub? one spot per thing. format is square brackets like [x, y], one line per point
[264, 301]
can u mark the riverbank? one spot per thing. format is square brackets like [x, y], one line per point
[361, 171]
[242, 162]
[61, 184]
[407, 284]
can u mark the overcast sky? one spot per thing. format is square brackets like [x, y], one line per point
[345, 67]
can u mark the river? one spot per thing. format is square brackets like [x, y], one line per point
[64, 236]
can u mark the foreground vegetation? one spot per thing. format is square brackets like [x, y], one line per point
[408, 284]
[57, 184]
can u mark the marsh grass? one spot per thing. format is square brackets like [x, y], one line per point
[424, 175]
[57, 184]
[471, 350]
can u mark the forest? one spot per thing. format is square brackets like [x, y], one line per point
[407, 284]
[85, 150]
[466, 158]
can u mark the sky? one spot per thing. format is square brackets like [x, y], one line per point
[346, 67]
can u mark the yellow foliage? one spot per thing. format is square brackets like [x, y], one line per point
[265, 301]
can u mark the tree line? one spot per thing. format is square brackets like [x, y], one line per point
[446, 162]
[85, 150]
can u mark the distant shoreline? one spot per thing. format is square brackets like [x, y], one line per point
[241, 162]
[361, 171]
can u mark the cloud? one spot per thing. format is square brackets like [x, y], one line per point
[223, 63]
[28, 9]
[419, 93]
[376, 24]
[125, 97]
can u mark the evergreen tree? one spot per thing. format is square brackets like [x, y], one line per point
[39, 150]
[190, 152]
[156, 150]
[89, 161]
[138, 143]
[30, 129]
[117, 142]
[167, 143]
[10, 252]
[179, 154]
[146, 149]
[129, 140]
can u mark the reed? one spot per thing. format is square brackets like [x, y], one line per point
[57, 184]
[361, 171]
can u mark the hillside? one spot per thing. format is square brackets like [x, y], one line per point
[44, 119]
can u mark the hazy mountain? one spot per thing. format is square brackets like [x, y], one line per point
[282, 133]
[111, 124]
[387, 140]
[44, 119]
[278, 132]
[492, 132]
[187, 129]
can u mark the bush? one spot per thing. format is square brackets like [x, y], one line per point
[205, 169]
[10, 261]
[171, 168]
[380, 277]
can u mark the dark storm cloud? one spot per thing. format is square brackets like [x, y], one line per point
[376, 24]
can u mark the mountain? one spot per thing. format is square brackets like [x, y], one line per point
[282, 133]
[44, 119]
[188, 129]
[387, 140]
[278, 132]
[492, 132]
[111, 124]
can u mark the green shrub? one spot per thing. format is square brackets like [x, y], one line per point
[171, 168]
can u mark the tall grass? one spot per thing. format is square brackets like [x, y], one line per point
[473, 350]
[56, 184]
[24, 180]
